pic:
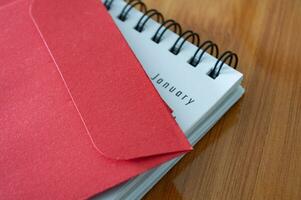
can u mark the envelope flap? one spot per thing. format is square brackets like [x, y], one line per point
[123, 114]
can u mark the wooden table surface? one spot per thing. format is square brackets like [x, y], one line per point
[254, 152]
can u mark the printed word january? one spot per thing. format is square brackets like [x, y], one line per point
[157, 79]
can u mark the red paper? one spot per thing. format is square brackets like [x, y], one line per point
[78, 114]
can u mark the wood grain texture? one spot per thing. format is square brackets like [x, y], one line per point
[254, 152]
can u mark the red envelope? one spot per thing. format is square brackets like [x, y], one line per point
[78, 113]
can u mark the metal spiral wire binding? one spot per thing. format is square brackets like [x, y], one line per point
[227, 57]
[207, 45]
[168, 24]
[175, 49]
[146, 17]
[129, 6]
[108, 4]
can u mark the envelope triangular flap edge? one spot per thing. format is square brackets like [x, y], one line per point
[109, 139]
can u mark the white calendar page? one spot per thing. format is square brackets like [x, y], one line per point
[188, 90]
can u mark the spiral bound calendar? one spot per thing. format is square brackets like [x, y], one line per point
[193, 77]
